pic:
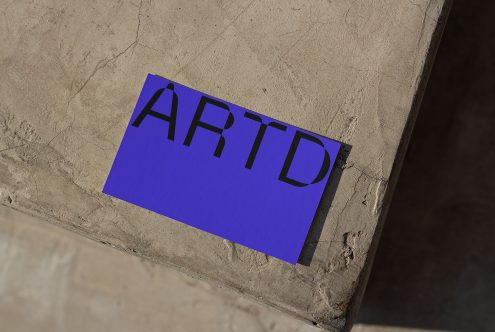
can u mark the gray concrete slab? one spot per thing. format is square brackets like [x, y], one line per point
[352, 71]
[54, 280]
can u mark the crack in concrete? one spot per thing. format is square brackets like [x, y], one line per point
[100, 65]
[213, 41]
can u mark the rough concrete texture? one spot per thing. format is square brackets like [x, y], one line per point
[71, 73]
[55, 281]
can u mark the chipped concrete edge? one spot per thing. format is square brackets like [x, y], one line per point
[52, 221]
[396, 169]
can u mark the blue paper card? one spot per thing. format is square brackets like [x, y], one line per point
[221, 168]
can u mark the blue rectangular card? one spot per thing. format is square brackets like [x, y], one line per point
[221, 168]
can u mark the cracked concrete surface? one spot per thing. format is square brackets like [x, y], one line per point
[352, 71]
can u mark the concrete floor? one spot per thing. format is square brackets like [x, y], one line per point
[349, 70]
[443, 210]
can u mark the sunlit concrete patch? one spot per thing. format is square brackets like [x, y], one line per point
[54, 280]
[353, 71]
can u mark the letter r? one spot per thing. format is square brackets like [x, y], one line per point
[196, 122]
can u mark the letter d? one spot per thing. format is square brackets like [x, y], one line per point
[290, 157]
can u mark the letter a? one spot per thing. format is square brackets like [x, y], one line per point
[171, 119]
